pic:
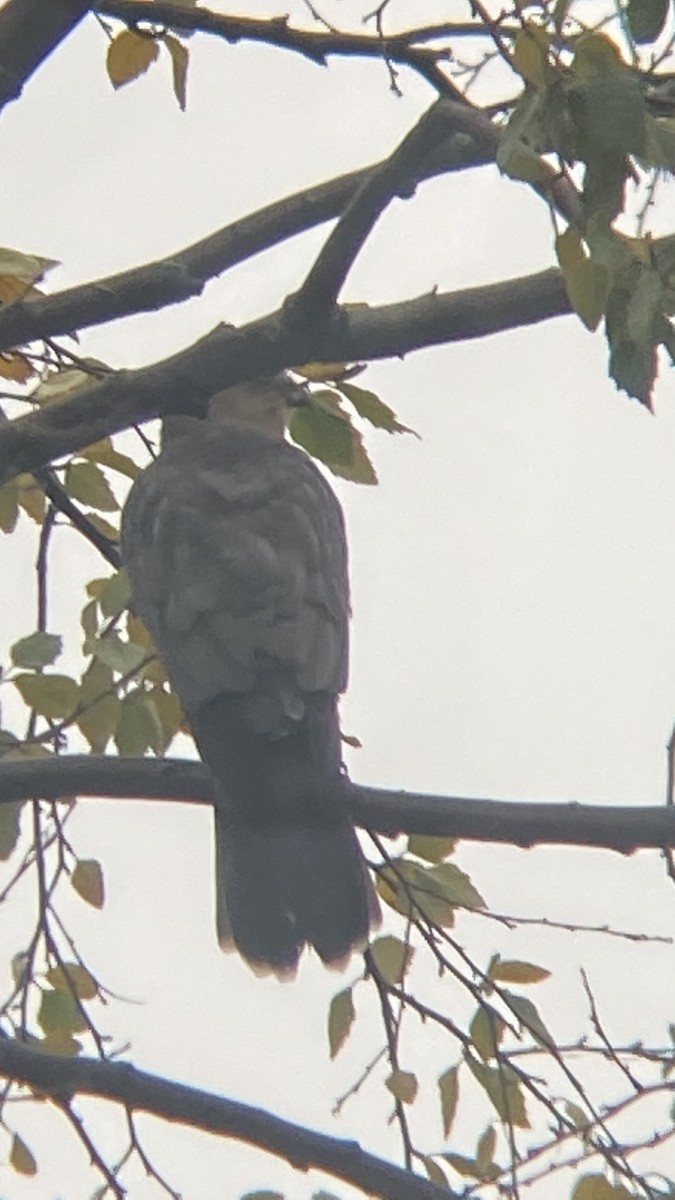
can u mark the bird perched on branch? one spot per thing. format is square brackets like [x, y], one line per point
[236, 550]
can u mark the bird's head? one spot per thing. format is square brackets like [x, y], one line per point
[260, 403]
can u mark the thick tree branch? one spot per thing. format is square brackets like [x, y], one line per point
[514, 822]
[184, 274]
[62, 1078]
[226, 356]
[326, 278]
[29, 31]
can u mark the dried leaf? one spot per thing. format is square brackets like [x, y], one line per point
[21, 1158]
[129, 55]
[403, 1085]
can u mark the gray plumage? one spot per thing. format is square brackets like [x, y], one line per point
[236, 551]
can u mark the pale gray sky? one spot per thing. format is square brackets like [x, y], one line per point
[513, 580]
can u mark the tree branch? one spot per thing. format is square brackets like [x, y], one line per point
[319, 293]
[403, 48]
[29, 31]
[62, 1078]
[226, 356]
[183, 275]
[522, 823]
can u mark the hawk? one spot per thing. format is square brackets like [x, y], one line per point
[235, 547]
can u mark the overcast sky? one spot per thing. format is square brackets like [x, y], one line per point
[512, 574]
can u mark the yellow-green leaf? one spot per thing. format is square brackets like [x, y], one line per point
[392, 957]
[530, 55]
[597, 1187]
[9, 506]
[504, 1089]
[512, 971]
[72, 977]
[403, 1085]
[59, 1011]
[60, 1041]
[179, 64]
[139, 727]
[433, 849]
[31, 498]
[341, 1017]
[485, 1149]
[105, 453]
[119, 655]
[100, 706]
[29, 268]
[436, 1175]
[129, 55]
[170, 713]
[114, 593]
[529, 1018]
[85, 481]
[51, 696]
[466, 1167]
[486, 1031]
[10, 827]
[586, 281]
[371, 408]
[87, 879]
[448, 1086]
[39, 649]
[21, 1158]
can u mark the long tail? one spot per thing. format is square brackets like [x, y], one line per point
[289, 868]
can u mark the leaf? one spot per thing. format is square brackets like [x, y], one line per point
[433, 849]
[530, 55]
[512, 971]
[341, 1016]
[179, 64]
[129, 55]
[9, 506]
[37, 650]
[466, 1167]
[21, 1158]
[371, 408]
[503, 1087]
[31, 498]
[170, 713]
[577, 1115]
[448, 1086]
[436, 1175]
[99, 716]
[87, 879]
[120, 656]
[67, 380]
[16, 367]
[61, 1042]
[84, 481]
[392, 957]
[60, 1012]
[110, 531]
[10, 827]
[139, 727]
[51, 696]
[597, 1187]
[586, 281]
[529, 1018]
[105, 453]
[69, 977]
[485, 1150]
[646, 19]
[435, 892]
[114, 593]
[323, 433]
[29, 268]
[486, 1031]
[403, 1085]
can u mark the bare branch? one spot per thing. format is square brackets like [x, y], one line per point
[62, 1078]
[514, 822]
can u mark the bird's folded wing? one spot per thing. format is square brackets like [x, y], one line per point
[236, 551]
